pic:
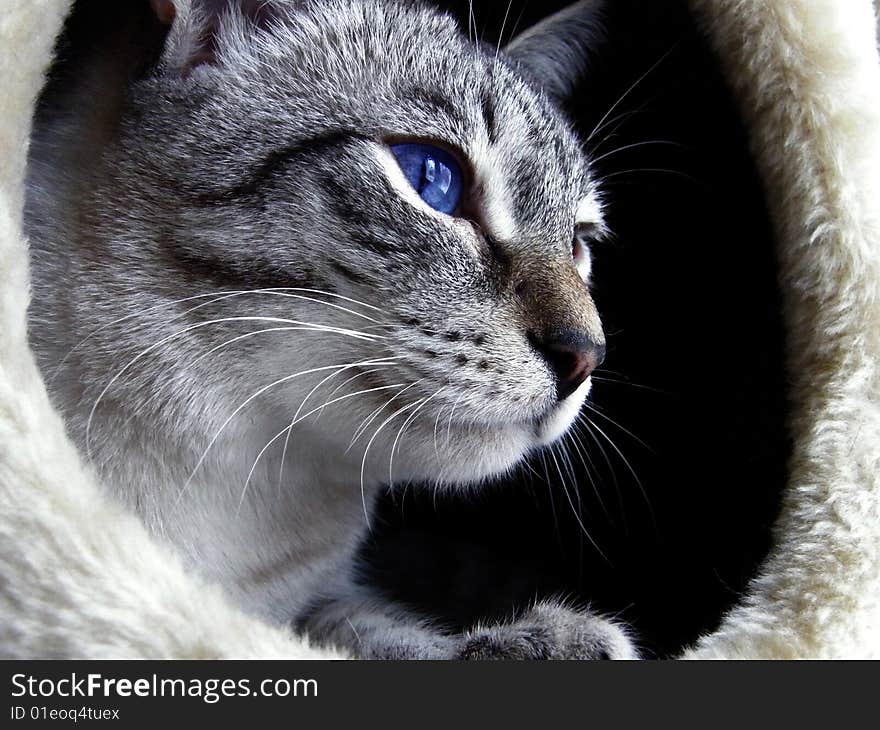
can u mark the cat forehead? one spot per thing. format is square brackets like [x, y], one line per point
[528, 166]
[527, 169]
[405, 70]
[525, 159]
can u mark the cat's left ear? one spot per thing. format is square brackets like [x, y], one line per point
[195, 26]
[555, 52]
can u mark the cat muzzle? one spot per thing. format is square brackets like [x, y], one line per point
[571, 355]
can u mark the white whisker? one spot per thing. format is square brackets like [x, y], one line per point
[302, 405]
[304, 325]
[214, 298]
[583, 420]
[397, 438]
[592, 424]
[369, 419]
[614, 381]
[630, 90]
[634, 145]
[249, 400]
[451, 415]
[552, 501]
[677, 173]
[618, 120]
[584, 456]
[367, 451]
[595, 409]
[501, 32]
[354, 377]
[436, 424]
[248, 335]
[574, 511]
[287, 429]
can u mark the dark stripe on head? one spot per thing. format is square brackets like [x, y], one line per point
[359, 278]
[487, 106]
[336, 196]
[251, 273]
[370, 227]
[562, 153]
[274, 163]
[429, 100]
[369, 242]
[524, 181]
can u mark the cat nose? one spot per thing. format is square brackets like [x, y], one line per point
[572, 355]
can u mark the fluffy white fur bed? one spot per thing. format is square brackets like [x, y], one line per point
[79, 577]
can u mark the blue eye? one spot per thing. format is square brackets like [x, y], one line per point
[433, 172]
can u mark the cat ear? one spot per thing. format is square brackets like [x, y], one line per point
[555, 52]
[195, 27]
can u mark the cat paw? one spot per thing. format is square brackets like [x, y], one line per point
[549, 631]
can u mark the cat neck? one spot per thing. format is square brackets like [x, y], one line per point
[271, 537]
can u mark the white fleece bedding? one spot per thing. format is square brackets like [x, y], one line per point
[79, 577]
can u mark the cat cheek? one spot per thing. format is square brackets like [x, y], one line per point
[470, 234]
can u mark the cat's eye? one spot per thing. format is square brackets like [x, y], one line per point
[433, 172]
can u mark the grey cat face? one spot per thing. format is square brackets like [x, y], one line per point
[259, 168]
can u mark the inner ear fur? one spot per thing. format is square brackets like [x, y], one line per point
[196, 24]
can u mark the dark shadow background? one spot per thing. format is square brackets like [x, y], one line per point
[692, 393]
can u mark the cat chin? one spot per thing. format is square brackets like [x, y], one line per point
[464, 462]
[453, 454]
[560, 419]
[473, 458]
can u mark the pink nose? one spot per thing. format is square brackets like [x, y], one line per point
[571, 356]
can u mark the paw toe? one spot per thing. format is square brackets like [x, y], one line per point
[582, 635]
[507, 642]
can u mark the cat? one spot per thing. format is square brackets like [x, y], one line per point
[308, 250]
